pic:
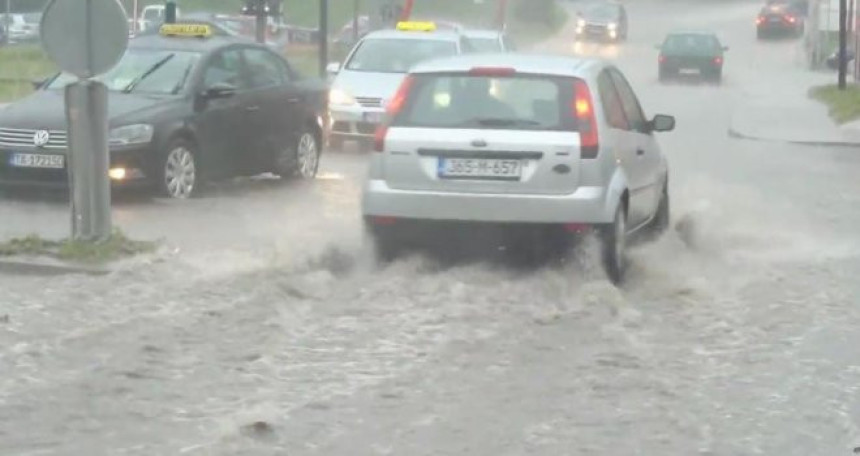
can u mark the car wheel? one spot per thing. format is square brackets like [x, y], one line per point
[662, 217]
[179, 173]
[300, 159]
[385, 248]
[614, 246]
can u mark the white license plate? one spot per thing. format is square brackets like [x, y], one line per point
[480, 168]
[372, 117]
[37, 161]
[689, 71]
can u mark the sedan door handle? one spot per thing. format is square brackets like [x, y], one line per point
[640, 151]
[252, 108]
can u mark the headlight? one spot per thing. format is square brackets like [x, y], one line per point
[130, 134]
[339, 97]
[612, 26]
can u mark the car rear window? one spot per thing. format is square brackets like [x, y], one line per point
[485, 102]
[691, 42]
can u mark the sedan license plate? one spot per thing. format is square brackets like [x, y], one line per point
[372, 117]
[480, 168]
[37, 161]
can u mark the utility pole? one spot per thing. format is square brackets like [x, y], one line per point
[323, 37]
[170, 12]
[843, 43]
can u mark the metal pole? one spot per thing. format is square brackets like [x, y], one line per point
[86, 115]
[7, 19]
[843, 43]
[407, 11]
[135, 17]
[260, 31]
[170, 12]
[355, 13]
[323, 37]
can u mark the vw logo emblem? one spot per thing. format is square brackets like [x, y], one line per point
[41, 138]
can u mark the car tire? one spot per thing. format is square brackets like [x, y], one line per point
[662, 217]
[178, 174]
[300, 159]
[385, 248]
[614, 246]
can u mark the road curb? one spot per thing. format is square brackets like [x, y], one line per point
[47, 268]
[734, 133]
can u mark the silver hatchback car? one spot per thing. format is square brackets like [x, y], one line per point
[560, 145]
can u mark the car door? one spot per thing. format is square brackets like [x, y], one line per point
[648, 160]
[623, 142]
[221, 122]
[276, 102]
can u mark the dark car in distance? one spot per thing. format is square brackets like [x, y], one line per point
[602, 21]
[779, 20]
[185, 106]
[694, 53]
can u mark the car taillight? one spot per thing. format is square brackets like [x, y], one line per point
[583, 109]
[759, 20]
[493, 71]
[393, 108]
[718, 60]
[790, 19]
[661, 58]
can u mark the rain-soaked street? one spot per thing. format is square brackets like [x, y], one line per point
[260, 329]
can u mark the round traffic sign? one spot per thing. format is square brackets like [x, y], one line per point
[84, 37]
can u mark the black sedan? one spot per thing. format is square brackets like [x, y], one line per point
[184, 107]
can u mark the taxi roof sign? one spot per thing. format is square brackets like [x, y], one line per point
[187, 30]
[409, 26]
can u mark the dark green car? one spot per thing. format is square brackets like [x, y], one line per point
[697, 53]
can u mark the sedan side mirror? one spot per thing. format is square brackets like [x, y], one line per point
[662, 122]
[219, 90]
[333, 68]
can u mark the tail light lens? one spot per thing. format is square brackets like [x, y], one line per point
[718, 61]
[790, 19]
[583, 109]
[759, 20]
[661, 58]
[394, 107]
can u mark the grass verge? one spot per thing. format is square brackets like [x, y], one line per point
[843, 105]
[19, 66]
[117, 247]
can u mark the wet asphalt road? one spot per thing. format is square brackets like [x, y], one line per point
[742, 341]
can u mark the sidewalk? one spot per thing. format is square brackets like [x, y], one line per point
[792, 117]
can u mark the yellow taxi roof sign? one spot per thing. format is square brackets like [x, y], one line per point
[410, 26]
[187, 30]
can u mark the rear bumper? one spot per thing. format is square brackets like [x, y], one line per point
[586, 205]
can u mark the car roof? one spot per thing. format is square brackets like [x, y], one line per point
[476, 33]
[441, 35]
[190, 44]
[524, 63]
[692, 32]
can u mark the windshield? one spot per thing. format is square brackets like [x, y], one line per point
[521, 103]
[485, 44]
[162, 72]
[152, 14]
[397, 55]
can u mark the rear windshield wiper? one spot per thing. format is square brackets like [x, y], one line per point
[147, 73]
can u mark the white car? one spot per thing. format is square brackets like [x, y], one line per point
[374, 69]
[21, 27]
[554, 144]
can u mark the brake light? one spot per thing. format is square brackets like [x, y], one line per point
[718, 60]
[393, 108]
[759, 20]
[661, 58]
[583, 109]
[790, 19]
[492, 71]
